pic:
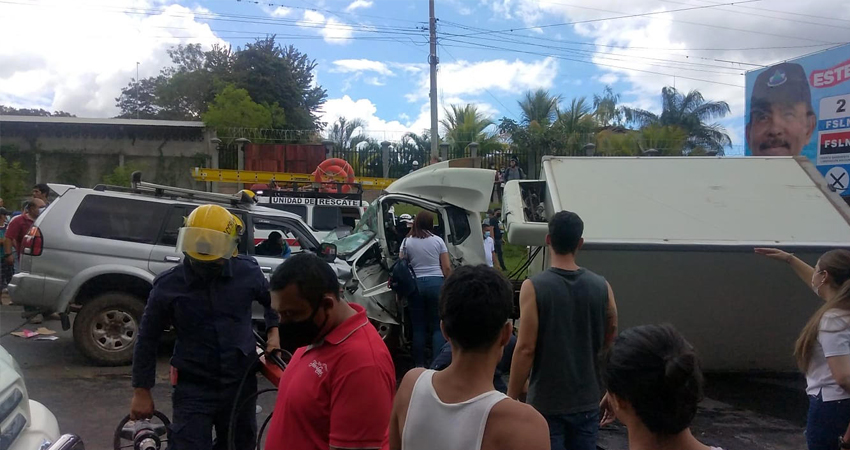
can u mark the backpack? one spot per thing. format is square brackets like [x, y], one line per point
[402, 277]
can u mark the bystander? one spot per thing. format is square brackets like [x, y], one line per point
[17, 229]
[458, 407]
[7, 262]
[568, 316]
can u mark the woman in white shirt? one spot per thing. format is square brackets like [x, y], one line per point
[429, 259]
[823, 348]
[654, 385]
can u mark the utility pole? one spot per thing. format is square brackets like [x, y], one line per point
[138, 104]
[433, 61]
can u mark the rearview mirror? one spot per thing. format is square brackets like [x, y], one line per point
[327, 252]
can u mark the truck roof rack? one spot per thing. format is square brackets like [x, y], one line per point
[137, 186]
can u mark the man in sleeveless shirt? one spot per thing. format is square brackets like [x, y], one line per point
[458, 408]
[568, 317]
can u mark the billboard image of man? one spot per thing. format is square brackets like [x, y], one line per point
[781, 116]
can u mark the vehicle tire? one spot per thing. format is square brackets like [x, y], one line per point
[106, 327]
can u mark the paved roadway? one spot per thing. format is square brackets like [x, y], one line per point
[741, 412]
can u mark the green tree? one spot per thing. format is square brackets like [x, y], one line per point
[606, 111]
[120, 176]
[465, 124]
[539, 108]
[10, 111]
[346, 133]
[13, 184]
[690, 112]
[668, 140]
[233, 108]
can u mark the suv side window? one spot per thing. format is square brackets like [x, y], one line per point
[172, 226]
[121, 219]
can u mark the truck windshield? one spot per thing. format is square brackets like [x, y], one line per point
[360, 236]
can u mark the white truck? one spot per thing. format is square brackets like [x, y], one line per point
[673, 236]
[26, 424]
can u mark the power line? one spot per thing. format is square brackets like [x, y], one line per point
[316, 8]
[627, 16]
[485, 89]
[765, 16]
[608, 65]
[592, 44]
[511, 30]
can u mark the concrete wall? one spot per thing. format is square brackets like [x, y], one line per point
[84, 160]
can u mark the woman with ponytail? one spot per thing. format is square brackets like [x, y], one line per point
[823, 348]
[654, 385]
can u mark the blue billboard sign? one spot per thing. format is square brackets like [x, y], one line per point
[802, 107]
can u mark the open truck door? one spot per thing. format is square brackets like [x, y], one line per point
[456, 197]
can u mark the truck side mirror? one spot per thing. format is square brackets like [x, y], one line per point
[327, 252]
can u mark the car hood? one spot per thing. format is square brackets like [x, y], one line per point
[465, 188]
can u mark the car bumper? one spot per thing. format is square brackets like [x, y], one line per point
[41, 430]
[27, 289]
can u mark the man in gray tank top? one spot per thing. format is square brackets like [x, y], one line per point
[568, 318]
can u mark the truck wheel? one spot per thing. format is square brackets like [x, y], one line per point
[106, 327]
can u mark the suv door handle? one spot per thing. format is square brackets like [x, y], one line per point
[173, 259]
[266, 269]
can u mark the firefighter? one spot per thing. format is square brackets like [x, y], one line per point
[208, 300]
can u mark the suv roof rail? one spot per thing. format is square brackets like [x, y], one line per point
[160, 190]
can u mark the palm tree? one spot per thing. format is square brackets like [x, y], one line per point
[689, 112]
[539, 108]
[465, 124]
[343, 133]
[605, 108]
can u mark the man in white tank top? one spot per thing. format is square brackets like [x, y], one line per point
[458, 408]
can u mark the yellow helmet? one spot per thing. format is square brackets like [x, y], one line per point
[209, 233]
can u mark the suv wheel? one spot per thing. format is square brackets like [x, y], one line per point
[106, 327]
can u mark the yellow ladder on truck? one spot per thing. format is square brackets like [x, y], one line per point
[248, 177]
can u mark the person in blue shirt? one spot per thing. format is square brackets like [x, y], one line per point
[275, 246]
[207, 299]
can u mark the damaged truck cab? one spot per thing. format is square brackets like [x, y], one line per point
[455, 195]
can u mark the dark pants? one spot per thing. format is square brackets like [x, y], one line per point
[6, 272]
[827, 421]
[576, 431]
[200, 408]
[501, 258]
[425, 318]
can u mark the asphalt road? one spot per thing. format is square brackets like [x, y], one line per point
[741, 412]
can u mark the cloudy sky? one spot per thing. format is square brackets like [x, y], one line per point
[75, 55]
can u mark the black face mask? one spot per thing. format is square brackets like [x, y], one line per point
[301, 333]
[205, 270]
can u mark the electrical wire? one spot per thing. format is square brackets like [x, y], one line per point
[485, 89]
[749, 14]
[484, 46]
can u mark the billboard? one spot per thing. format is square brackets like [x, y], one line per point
[802, 107]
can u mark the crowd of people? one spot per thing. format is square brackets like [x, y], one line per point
[14, 226]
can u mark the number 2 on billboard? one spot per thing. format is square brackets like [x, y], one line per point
[841, 104]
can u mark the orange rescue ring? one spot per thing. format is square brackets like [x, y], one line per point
[334, 167]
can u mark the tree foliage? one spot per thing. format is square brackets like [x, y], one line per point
[120, 176]
[234, 108]
[10, 111]
[464, 125]
[690, 112]
[13, 182]
[539, 108]
[271, 75]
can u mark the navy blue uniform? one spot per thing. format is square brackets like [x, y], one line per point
[215, 346]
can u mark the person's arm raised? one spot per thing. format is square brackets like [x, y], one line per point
[803, 270]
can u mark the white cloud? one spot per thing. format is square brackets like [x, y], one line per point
[608, 78]
[361, 65]
[464, 11]
[375, 81]
[649, 51]
[334, 31]
[281, 11]
[356, 4]
[468, 78]
[84, 71]
[376, 127]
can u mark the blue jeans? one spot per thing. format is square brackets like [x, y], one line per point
[575, 431]
[826, 422]
[425, 318]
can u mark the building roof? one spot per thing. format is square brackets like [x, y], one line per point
[100, 121]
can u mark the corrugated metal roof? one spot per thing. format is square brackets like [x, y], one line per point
[101, 121]
[696, 200]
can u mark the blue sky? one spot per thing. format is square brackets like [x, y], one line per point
[372, 54]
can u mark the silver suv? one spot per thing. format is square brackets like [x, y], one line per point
[95, 252]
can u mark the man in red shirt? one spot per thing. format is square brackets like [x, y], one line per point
[337, 392]
[21, 224]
